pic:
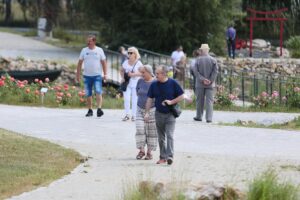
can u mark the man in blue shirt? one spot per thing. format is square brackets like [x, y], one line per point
[166, 92]
[230, 37]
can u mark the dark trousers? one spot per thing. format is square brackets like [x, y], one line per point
[231, 48]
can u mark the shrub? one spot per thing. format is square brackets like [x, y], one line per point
[293, 96]
[293, 45]
[264, 100]
[267, 187]
[223, 98]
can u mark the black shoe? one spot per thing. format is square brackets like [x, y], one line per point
[170, 161]
[208, 121]
[197, 119]
[99, 112]
[89, 113]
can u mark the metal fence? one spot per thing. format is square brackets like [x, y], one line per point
[250, 84]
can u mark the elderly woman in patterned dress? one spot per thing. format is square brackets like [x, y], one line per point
[146, 133]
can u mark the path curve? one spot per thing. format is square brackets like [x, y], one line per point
[203, 152]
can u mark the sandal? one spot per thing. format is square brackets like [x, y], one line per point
[149, 156]
[140, 155]
[161, 161]
[126, 118]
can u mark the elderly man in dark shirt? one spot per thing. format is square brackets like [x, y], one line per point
[206, 70]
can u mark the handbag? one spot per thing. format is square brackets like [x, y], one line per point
[175, 110]
[124, 85]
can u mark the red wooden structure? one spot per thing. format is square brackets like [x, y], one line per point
[275, 15]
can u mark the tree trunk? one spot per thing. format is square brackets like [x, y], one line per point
[7, 11]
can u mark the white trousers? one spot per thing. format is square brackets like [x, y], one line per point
[130, 96]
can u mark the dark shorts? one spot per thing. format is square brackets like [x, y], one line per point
[89, 82]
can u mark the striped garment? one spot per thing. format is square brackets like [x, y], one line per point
[146, 133]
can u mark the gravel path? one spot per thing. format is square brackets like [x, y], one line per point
[203, 152]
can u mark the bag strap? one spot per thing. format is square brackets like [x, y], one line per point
[134, 66]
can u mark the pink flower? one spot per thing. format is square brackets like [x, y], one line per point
[36, 92]
[21, 85]
[25, 82]
[69, 95]
[231, 97]
[12, 79]
[47, 80]
[284, 98]
[275, 94]
[81, 93]
[3, 78]
[66, 87]
[27, 90]
[264, 94]
[36, 80]
[2, 83]
[81, 100]
[59, 98]
[296, 89]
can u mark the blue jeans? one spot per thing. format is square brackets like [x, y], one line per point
[89, 82]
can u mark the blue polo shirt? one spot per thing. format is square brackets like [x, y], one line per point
[168, 90]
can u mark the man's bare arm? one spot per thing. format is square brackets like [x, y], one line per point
[79, 66]
[104, 68]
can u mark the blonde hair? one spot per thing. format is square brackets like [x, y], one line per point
[135, 51]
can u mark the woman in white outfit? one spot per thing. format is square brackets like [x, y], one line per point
[131, 67]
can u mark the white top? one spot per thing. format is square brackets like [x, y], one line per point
[128, 68]
[91, 60]
[176, 56]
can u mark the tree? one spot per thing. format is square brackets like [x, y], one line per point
[162, 24]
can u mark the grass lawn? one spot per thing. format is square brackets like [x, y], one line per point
[291, 125]
[27, 163]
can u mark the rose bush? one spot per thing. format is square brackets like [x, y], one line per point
[223, 98]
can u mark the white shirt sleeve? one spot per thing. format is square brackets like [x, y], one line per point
[81, 56]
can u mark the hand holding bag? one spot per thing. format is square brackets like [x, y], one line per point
[175, 110]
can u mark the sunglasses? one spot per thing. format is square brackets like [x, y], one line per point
[129, 53]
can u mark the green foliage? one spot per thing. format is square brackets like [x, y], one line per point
[267, 187]
[264, 100]
[28, 162]
[62, 34]
[293, 96]
[161, 25]
[294, 45]
[293, 42]
[223, 98]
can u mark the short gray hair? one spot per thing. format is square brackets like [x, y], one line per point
[149, 69]
[163, 68]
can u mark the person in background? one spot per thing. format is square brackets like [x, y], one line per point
[206, 70]
[146, 133]
[131, 68]
[166, 92]
[230, 38]
[177, 57]
[94, 61]
[124, 55]
[196, 54]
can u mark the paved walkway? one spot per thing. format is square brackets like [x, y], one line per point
[203, 152]
[13, 46]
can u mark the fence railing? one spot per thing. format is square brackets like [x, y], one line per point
[250, 84]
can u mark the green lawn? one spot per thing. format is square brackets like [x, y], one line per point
[291, 125]
[26, 163]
